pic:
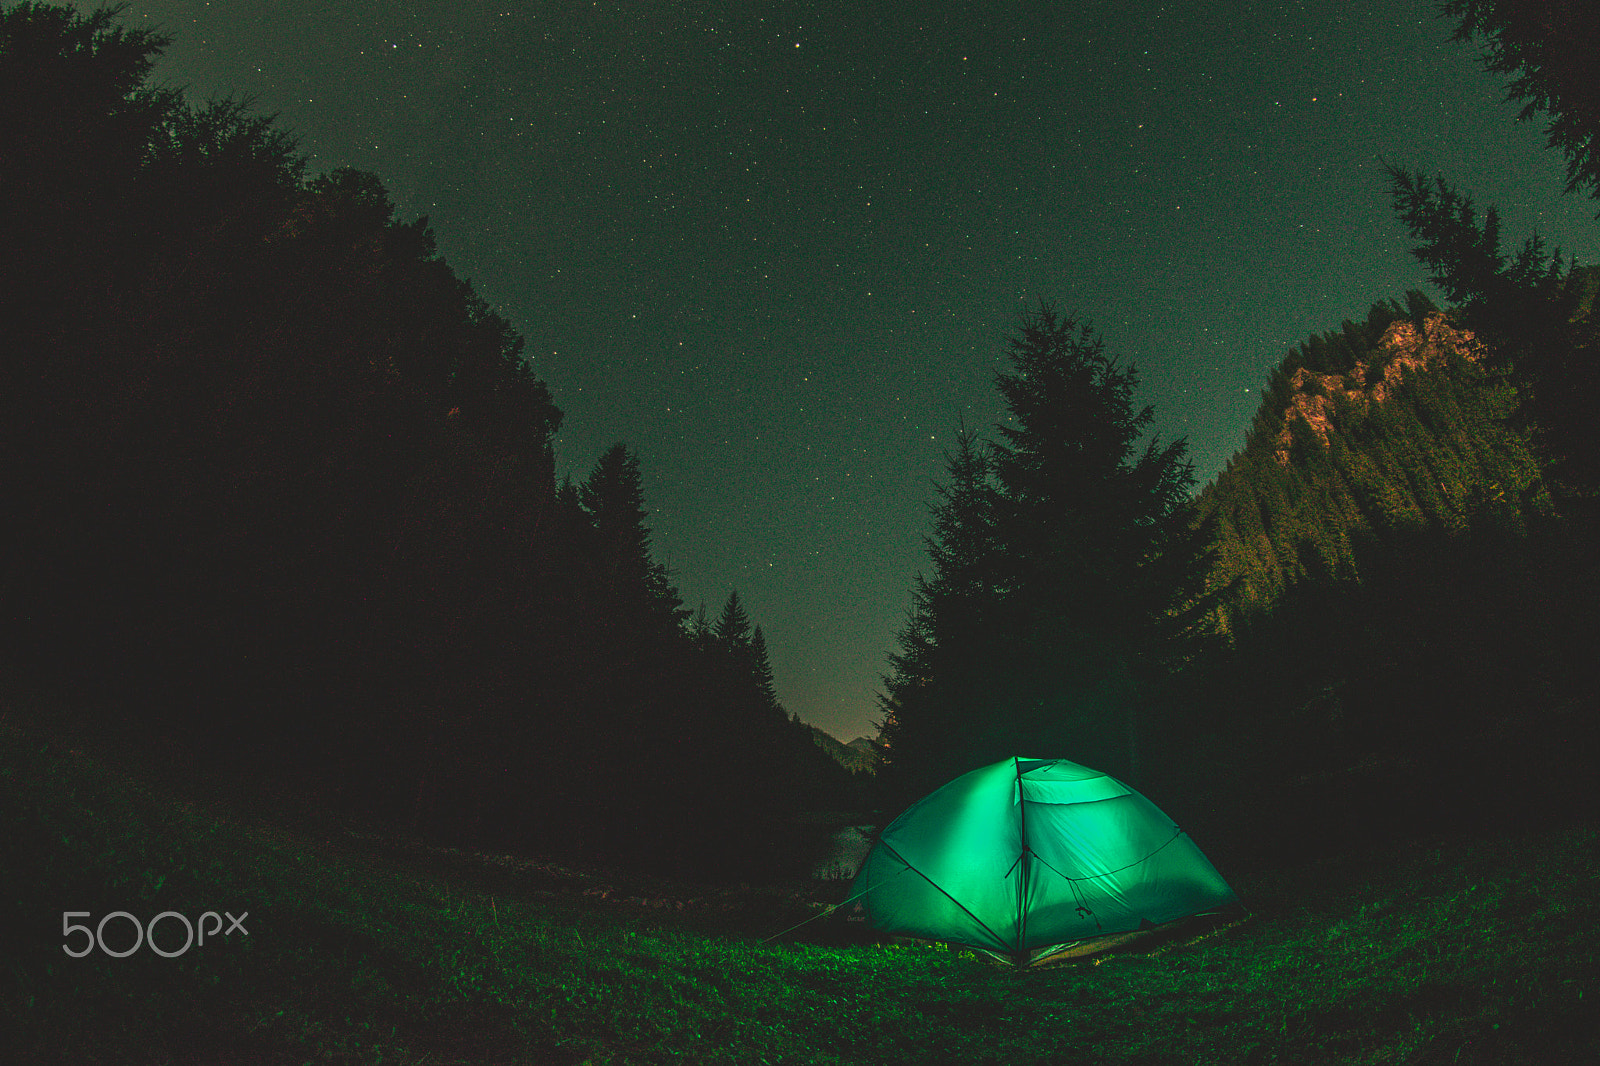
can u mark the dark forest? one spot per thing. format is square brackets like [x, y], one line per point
[283, 498]
[283, 521]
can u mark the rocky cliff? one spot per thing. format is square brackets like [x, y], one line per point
[1402, 347]
[1381, 431]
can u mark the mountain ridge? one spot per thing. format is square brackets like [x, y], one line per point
[1384, 428]
[1404, 346]
[857, 756]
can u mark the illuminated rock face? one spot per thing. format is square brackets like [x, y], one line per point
[1403, 347]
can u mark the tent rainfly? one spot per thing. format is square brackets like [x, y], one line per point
[1027, 857]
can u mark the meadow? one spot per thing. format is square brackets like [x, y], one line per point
[362, 948]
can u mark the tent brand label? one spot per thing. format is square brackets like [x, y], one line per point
[194, 933]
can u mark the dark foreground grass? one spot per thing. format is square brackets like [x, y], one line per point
[1466, 952]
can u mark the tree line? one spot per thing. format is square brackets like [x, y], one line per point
[282, 496]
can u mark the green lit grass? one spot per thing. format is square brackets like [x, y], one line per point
[1456, 953]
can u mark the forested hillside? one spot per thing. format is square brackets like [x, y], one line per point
[1385, 428]
[1403, 585]
[282, 496]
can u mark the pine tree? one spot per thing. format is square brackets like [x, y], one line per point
[933, 697]
[1550, 46]
[699, 629]
[1508, 300]
[740, 652]
[1067, 575]
[737, 661]
[761, 674]
[1528, 308]
[1530, 311]
[634, 585]
[1100, 561]
[733, 624]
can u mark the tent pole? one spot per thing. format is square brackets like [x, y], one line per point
[1020, 956]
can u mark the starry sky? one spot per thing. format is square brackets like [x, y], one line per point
[776, 248]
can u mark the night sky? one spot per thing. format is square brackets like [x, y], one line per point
[777, 248]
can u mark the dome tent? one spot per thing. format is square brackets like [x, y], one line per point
[1027, 857]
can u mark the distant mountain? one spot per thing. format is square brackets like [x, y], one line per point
[856, 756]
[1385, 428]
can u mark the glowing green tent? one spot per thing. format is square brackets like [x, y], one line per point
[1029, 856]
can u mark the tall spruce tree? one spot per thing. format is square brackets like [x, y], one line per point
[737, 656]
[761, 674]
[1100, 564]
[1549, 45]
[935, 689]
[1534, 312]
[1067, 573]
[733, 624]
[636, 585]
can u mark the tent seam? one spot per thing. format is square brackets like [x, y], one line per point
[1176, 833]
[981, 923]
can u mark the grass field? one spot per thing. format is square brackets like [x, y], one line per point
[365, 950]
